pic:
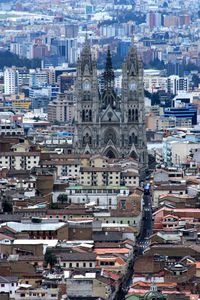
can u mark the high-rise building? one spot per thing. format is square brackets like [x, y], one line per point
[62, 109]
[10, 81]
[37, 78]
[176, 84]
[104, 123]
[66, 48]
[66, 82]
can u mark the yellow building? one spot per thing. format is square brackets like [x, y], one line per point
[19, 101]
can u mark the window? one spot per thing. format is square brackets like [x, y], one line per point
[123, 204]
[70, 265]
[2, 285]
[90, 265]
[77, 265]
[84, 265]
[64, 264]
[134, 204]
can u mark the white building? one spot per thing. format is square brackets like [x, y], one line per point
[182, 98]
[37, 293]
[37, 77]
[10, 81]
[102, 197]
[9, 285]
[19, 160]
[153, 83]
[176, 152]
[176, 84]
[9, 128]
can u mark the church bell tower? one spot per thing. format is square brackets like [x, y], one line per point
[105, 123]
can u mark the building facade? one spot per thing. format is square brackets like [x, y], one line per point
[105, 123]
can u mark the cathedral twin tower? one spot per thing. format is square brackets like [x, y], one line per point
[105, 123]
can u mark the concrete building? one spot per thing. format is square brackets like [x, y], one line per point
[176, 151]
[46, 294]
[101, 197]
[19, 160]
[62, 109]
[186, 111]
[176, 84]
[37, 78]
[153, 83]
[10, 81]
[9, 285]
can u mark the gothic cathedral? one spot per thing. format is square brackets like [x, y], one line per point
[105, 123]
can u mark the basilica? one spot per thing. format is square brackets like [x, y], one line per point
[106, 123]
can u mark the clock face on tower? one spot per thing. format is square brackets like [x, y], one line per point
[133, 85]
[86, 86]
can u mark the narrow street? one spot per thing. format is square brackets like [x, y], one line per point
[146, 226]
[142, 242]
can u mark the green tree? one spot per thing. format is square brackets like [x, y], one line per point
[54, 206]
[7, 206]
[195, 80]
[50, 259]
[62, 198]
[8, 59]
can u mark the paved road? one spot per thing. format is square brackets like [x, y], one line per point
[147, 225]
[143, 240]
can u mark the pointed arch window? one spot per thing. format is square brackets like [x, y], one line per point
[83, 116]
[129, 115]
[136, 115]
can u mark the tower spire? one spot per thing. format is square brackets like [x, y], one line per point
[108, 73]
[132, 41]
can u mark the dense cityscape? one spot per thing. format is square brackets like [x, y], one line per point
[99, 150]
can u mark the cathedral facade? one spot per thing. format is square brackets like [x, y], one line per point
[105, 123]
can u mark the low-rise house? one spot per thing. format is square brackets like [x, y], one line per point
[35, 280]
[178, 201]
[101, 172]
[163, 189]
[179, 272]
[77, 260]
[19, 160]
[31, 293]
[80, 229]
[100, 176]
[9, 285]
[104, 197]
[174, 250]
[168, 175]
[69, 168]
[44, 229]
[32, 246]
[91, 286]
[183, 214]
